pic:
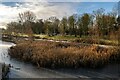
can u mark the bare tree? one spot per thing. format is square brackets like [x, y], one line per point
[27, 16]
[26, 19]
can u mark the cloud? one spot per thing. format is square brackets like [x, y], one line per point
[8, 13]
[42, 10]
[60, 0]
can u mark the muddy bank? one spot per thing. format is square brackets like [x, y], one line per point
[5, 68]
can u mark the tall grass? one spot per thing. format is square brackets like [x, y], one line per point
[96, 41]
[57, 55]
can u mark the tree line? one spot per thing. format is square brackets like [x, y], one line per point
[98, 23]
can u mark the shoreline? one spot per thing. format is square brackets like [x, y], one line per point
[5, 70]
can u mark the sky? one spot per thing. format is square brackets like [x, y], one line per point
[9, 9]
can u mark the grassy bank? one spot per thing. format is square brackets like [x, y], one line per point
[57, 55]
[70, 38]
[96, 41]
[8, 40]
[82, 39]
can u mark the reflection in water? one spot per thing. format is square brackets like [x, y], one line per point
[26, 70]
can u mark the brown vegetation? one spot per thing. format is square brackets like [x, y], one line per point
[57, 55]
[96, 41]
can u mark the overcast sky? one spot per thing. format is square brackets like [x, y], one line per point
[9, 9]
[59, 0]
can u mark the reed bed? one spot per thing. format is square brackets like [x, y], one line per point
[64, 55]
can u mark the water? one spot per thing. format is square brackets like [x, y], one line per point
[26, 70]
